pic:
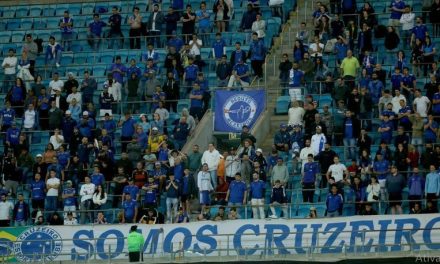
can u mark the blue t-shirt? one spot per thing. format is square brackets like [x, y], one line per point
[341, 49]
[310, 171]
[203, 21]
[20, 212]
[420, 31]
[117, 75]
[129, 208]
[71, 200]
[257, 189]
[97, 179]
[191, 72]
[127, 129]
[381, 167]
[134, 69]
[348, 128]
[178, 172]
[408, 80]
[236, 191]
[185, 185]
[241, 69]
[197, 102]
[429, 134]
[398, 5]
[63, 158]
[96, 27]
[218, 47]
[150, 195]
[8, 116]
[396, 79]
[436, 107]
[37, 190]
[133, 190]
[387, 135]
[404, 110]
[295, 77]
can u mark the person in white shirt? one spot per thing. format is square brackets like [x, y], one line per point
[70, 220]
[318, 141]
[55, 84]
[396, 100]
[296, 114]
[9, 65]
[212, 158]
[53, 186]
[338, 172]
[303, 155]
[421, 104]
[99, 198]
[162, 111]
[86, 192]
[6, 208]
[407, 22]
[114, 88]
[56, 139]
[29, 121]
[195, 45]
[316, 48]
[232, 165]
[74, 95]
[204, 185]
[259, 26]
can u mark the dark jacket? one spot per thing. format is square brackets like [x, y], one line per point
[159, 21]
[63, 103]
[284, 68]
[392, 40]
[171, 89]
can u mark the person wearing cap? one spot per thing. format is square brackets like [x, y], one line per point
[282, 139]
[86, 125]
[69, 198]
[240, 74]
[135, 242]
[159, 173]
[318, 141]
[155, 140]
[53, 53]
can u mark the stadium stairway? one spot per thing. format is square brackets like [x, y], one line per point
[282, 44]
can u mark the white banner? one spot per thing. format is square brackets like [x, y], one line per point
[327, 235]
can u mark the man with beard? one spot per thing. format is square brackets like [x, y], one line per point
[194, 159]
[325, 160]
[171, 89]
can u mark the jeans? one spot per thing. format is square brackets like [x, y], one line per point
[154, 38]
[213, 174]
[174, 203]
[350, 148]
[204, 35]
[233, 80]
[308, 192]
[333, 214]
[115, 40]
[51, 203]
[85, 207]
[258, 212]
[66, 41]
[56, 59]
[20, 223]
[94, 41]
[418, 143]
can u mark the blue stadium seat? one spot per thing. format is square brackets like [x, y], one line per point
[35, 11]
[99, 71]
[57, 35]
[52, 22]
[13, 24]
[107, 58]
[39, 24]
[183, 103]
[3, 25]
[44, 35]
[282, 105]
[9, 12]
[5, 37]
[80, 58]
[325, 99]
[48, 11]
[26, 24]
[21, 11]
[66, 59]
[87, 8]
[59, 11]
[18, 36]
[75, 9]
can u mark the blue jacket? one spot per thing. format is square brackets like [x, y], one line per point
[49, 54]
[13, 135]
[432, 184]
[334, 202]
[257, 50]
[416, 185]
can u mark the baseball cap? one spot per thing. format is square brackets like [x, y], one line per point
[155, 128]
[259, 150]
[86, 113]
[282, 125]
[157, 163]
[69, 182]
[39, 156]
[68, 112]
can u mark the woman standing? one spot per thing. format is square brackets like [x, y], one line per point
[221, 11]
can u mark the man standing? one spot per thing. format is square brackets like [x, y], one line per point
[256, 193]
[31, 48]
[338, 172]
[66, 27]
[349, 67]
[154, 25]
[95, 31]
[257, 53]
[172, 201]
[310, 174]
[212, 158]
[6, 208]
[21, 212]
[135, 241]
[115, 34]
[88, 86]
[236, 195]
[9, 65]
[202, 16]
[223, 71]
[204, 185]
[86, 193]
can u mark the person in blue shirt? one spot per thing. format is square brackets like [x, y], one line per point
[397, 7]
[368, 62]
[430, 129]
[334, 202]
[381, 168]
[38, 193]
[432, 185]
[132, 189]
[134, 69]
[202, 17]
[7, 116]
[20, 213]
[63, 157]
[130, 210]
[281, 140]
[181, 133]
[110, 125]
[97, 178]
[257, 53]
[375, 88]
[416, 188]
[237, 54]
[53, 53]
[237, 192]
[240, 74]
[218, 47]
[309, 177]
[436, 105]
[12, 136]
[172, 200]
[128, 125]
[419, 31]
[119, 70]
[296, 76]
[257, 192]
[190, 74]
[175, 42]
[408, 84]
[196, 105]
[429, 52]
[341, 48]
[69, 199]
[66, 26]
[396, 79]
[404, 114]
[95, 31]
[386, 129]
[115, 34]
[151, 53]
[151, 193]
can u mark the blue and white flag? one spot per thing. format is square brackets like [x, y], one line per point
[234, 109]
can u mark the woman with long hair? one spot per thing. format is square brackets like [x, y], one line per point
[16, 96]
[99, 197]
[298, 51]
[429, 52]
[221, 11]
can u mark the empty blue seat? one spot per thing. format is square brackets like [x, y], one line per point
[52, 22]
[9, 12]
[107, 59]
[66, 59]
[183, 103]
[5, 37]
[26, 23]
[80, 58]
[39, 24]
[59, 11]
[282, 105]
[17, 36]
[21, 11]
[13, 24]
[87, 8]
[35, 11]
[48, 11]
[99, 71]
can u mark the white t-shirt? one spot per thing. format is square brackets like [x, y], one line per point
[5, 210]
[296, 115]
[396, 102]
[337, 171]
[52, 191]
[194, 49]
[422, 105]
[87, 191]
[56, 85]
[314, 48]
[29, 119]
[56, 142]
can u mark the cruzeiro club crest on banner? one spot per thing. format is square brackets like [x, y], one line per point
[239, 110]
[38, 243]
